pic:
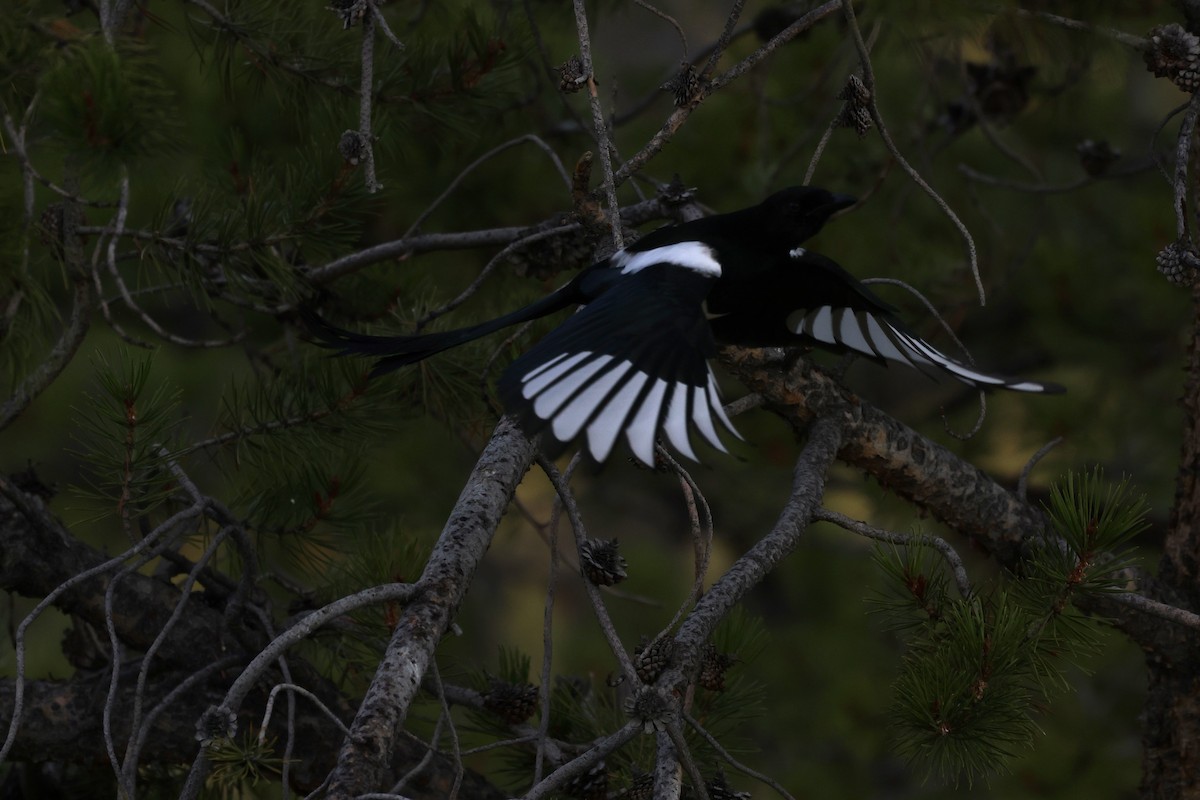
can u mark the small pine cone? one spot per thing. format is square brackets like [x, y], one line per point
[591, 785]
[684, 85]
[350, 12]
[601, 562]
[215, 725]
[719, 789]
[1096, 157]
[642, 788]
[549, 257]
[353, 147]
[513, 703]
[1174, 53]
[50, 227]
[676, 193]
[855, 111]
[650, 659]
[570, 75]
[1179, 263]
[713, 665]
[653, 707]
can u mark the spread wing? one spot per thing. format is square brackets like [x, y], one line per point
[634, 361]
[809, 297]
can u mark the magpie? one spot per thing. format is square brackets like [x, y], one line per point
[634, 359]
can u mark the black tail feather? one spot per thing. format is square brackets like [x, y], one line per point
[394, 352]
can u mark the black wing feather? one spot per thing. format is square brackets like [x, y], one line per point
[626, 363]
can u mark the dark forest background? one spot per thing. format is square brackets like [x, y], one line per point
[178, 179]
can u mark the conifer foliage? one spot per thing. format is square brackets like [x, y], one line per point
[236, 567]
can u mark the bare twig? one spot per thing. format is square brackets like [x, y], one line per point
[580, 764]
[702, 532]
[1060, 188]
[599, 123]
[456, 748]
[872, 106]
[300, 690]
[731, 19]
[733, 762]
[383, 25]
[1129, 40]
[610, 633]
[670, 21]
[494, 262]
[953, 560]
[366, 94]
[500, 148]
[808, 486]
[1180, 616]
[684, 754]
[128, 770]
[52, 596]
[677, 118]
[60, 355]
[423, 243]
[1023, 480]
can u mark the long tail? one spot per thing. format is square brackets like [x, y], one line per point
[394, 352]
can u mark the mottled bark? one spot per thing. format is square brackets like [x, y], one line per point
[368, 750]
[1171, 720]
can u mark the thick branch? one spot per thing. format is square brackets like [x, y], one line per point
[808, 488]
[37, 554]
[911, 466]
[367, 752]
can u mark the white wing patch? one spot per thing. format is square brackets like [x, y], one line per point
[876, 337]
[689, 255]
[600, 397]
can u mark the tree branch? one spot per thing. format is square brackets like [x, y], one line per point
[367, 752]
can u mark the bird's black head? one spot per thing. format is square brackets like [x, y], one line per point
[792, 215]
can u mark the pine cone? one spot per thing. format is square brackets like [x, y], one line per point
[548, 257]
[713, 665]
[1174, 53]
[684, 85]
[353, 147]
[350, 12]
[215, 725]
[1179, 263]
[51, 225]
[653, 707]
[513, 703]
[855, 111]
[601, 563]
[570, 75]
[650, 659]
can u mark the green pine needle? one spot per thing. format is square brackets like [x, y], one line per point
[978, 669]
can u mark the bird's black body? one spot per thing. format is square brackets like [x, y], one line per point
[634, 360]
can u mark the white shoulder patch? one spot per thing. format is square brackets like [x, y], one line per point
[689, 255]
[797, 252]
